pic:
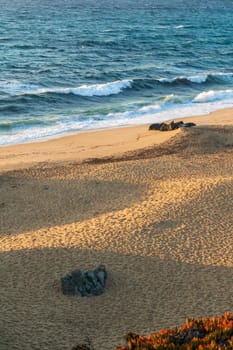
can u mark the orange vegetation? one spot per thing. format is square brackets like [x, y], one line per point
[196, 334]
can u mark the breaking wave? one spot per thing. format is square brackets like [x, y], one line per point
[17, 88]
[199, 78]
[211, 96]
[105, 89]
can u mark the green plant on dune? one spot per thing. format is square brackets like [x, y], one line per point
[215, 333]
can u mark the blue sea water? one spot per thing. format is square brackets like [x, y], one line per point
[73, 65]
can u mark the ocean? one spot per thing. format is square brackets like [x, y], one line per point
[74, 65]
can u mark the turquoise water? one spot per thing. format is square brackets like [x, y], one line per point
[67, 66]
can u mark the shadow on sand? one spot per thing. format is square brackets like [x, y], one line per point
[30, 204]
[143, 294]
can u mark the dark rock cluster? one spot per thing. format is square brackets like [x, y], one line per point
[84, 282]
[170, 126]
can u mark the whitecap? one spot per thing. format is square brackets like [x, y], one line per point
[166, 80]
[198, 79]
[104, 89]
[228, 77]
[211, 95]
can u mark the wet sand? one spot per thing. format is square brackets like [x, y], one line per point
[155, 208]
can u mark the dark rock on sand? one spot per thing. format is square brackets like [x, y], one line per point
[178, 125]
[170, 126]
[155, 126]
[188, 125]
[164, 127]
[84, 282]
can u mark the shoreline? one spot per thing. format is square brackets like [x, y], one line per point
[88, 131]
[97, 143]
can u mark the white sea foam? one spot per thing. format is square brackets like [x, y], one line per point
[211, 96]
[146, 110]
[228, 77]
[17, 88]
[148, 114]
[179, 26]
[105, 89]
[170, 107]
[165, 80]
[200, 78]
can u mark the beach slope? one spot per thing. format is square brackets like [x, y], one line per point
[154, 208]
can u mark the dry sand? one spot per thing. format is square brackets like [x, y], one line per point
[160, 217]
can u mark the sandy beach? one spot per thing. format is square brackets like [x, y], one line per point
[154, 207]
